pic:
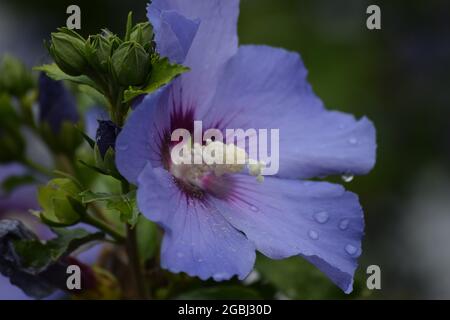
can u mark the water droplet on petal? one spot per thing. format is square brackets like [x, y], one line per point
[123, 147]
[343, 225]
[254, 209]
[351, 249]
[321, 217]
[347, 177]
[313, 234]
[199, 260]
[353, 141]
[180, 254]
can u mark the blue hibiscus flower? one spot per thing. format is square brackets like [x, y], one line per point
[214, 223]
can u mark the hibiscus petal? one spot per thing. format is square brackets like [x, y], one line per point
[174, 33]
[266, 88]
[283, 218]
[214, 43]
[135, 145]
[197, 240]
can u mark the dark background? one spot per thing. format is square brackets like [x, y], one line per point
[397, 76]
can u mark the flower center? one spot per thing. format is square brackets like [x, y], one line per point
[200, 166]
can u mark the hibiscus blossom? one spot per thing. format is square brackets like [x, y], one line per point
[214, 223]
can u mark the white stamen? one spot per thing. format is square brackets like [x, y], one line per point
[218, 159]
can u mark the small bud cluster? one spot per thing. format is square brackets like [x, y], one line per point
[112, 64]
[127, 60]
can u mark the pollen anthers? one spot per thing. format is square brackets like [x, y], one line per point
[197, 162]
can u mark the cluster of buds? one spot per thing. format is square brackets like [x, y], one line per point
[16, 82]
[106, 56]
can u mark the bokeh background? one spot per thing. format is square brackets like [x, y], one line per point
[397, 76]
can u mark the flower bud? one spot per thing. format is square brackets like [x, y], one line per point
[59, 202]
[100, 52]
[14, 77]
[56, 104]
[68, 50]
[12, 144]
[113, 39]
[142, 33]
[131, 64]
[104, 150]
[106, 136]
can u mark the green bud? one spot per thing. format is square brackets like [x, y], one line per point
[142, 33]
[68, 50]
[14, 77]
[106, 163]
[66, 141]
[12, 143]
[12, 146]
[113, 39]
[60, 204]
[131, 64]
[99, 49]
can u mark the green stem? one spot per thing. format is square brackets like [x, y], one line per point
[65, 164]
[118, 114]
[26, 105]
[133, 254]
[37, 167]
[135, 263]
[104, 227]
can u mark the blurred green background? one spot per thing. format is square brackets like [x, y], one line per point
[397, 76]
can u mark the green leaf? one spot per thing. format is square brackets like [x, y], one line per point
[127, 207]
[93, 168]
[162, 73]
[67, 176]
[129, 26]
[13, 182]
[107, 164]
[54, 72]
[94, 95]
[37, 255]
[147, 238]
[88, 139]
[296, 278]
[89, 196]
[221, 293]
